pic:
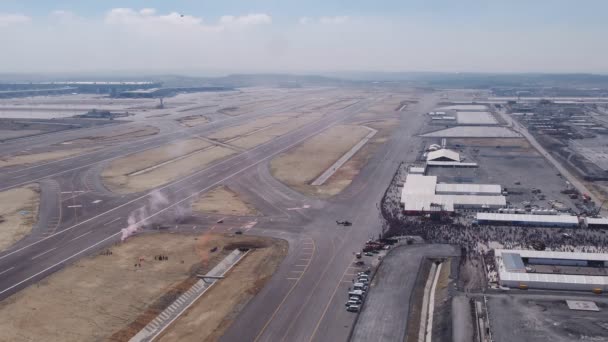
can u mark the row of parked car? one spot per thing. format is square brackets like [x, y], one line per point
[356, 296]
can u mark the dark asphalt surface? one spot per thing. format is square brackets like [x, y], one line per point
[304, 299]
[385, 312]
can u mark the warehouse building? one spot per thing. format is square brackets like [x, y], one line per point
[468, 189]
[443, 155]
[446, 158]
[418, 170]
[593, 222]
[552, 270]
[563, 221]
[420, 195]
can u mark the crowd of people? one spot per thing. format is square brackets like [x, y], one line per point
[478, 241]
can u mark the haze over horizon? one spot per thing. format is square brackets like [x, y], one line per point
[273, 36]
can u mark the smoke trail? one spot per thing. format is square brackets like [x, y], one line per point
[138, 218]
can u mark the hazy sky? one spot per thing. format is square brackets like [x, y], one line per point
[304, 36]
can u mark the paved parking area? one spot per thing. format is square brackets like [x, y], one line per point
[385, 311]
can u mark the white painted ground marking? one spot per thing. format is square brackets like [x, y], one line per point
[75, 206]
[305, 206]
[59, 263]
[6, 270]
[81, 235]
[96, 201]
[114, 220]
[43, 253]
[261, 160]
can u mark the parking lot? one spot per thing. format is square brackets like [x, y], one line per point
[536, 318]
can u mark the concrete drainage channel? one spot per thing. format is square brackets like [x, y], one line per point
[428, 304]
[153, 329]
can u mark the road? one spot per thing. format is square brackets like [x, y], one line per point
[304, 299]
[385, 314]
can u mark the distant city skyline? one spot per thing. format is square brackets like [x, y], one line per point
[206, 37]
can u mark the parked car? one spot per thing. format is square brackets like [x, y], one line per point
[353, 308]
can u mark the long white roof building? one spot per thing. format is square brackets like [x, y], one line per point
[510, 274]
[421, 193]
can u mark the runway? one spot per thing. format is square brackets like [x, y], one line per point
[304, 299]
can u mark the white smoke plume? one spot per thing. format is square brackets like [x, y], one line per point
[139, 217]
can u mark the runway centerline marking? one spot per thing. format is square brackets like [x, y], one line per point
[43, 253]
[59, 263]
[259, 161]
[156, 145]
[8, 269]
[81, 235]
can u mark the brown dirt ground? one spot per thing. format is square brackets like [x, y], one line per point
[345, 175]
[120, 175]
[245, 108]
[104, 297]
[273, 131]
[235, 131]
[25, 159]
[13, 225]
[302, 164]
[194, 120]
[212, 314]
[416, 298]
[223, 201]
